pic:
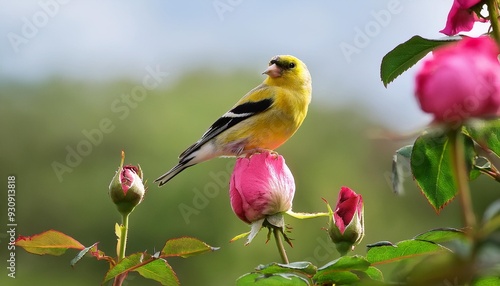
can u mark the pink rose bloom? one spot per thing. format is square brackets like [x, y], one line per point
[461, 18]
[260, 186]
[460, 81]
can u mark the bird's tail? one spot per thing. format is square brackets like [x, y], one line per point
[163, 179]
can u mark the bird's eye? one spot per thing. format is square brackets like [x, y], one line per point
[291, 65]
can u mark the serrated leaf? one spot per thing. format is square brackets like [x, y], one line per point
[440, 235]
[185, 247]
[50, 242]
[81, 254]
[127, 264]
[486, 133]
[251, 279]
[303, 267]
[400, 168]
[160, 271]
[431, 166]
[405, 249]
[405, 55]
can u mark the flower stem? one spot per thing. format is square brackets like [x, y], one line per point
[123, 237]
[493, 11]
[279, 244]
[461, 175]
[121, 248]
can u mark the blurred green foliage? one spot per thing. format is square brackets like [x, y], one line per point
[41, 121]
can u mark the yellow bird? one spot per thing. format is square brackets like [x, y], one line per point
[263, 119]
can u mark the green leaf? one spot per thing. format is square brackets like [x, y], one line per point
[432, 167]
[486, 133]
[374, 273]
[160, 271]
[289, 279]
[302, 267]
[81, 254]
[405, 55]
[342, 270]
[185, 247]
[49, 242]
[405, 249]
[400, 165]
[440, 235]
[149, 267]
[127, 264]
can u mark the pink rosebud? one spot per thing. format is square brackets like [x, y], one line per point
[461, 18]
[460, 81]
[261, 186]
[346, 228]
[126, 188]
[128, 177]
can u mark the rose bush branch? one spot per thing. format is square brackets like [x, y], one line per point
[127, 192]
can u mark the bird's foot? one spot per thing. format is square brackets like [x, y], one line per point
[250, 152]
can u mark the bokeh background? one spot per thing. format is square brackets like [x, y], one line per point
[68, 66]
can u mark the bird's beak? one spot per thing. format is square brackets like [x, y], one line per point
[273, 71]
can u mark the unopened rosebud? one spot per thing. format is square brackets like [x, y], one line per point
[346, 224]
[126, 189]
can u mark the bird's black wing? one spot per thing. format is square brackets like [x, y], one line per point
[228, 120]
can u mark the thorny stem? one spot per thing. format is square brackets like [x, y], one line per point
[279, 244]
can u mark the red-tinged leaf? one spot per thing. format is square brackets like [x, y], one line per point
[127, 264]
[185, 247]
[49, 242]
[148, 266]
[160, 271]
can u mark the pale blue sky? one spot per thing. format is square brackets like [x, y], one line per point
[101, 40]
